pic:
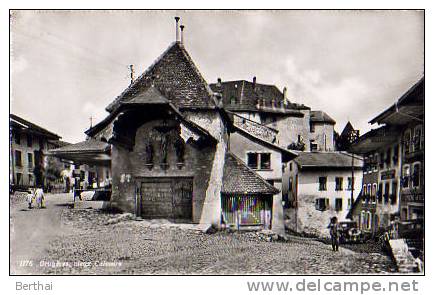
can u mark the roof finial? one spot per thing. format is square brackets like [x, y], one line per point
[182, 34]
[177, 28]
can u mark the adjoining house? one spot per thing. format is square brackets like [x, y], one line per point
[298, 128]
[393, 186]
[321, 186]
[166, 142]
[377, 204]
[254, 144]
[29, 164]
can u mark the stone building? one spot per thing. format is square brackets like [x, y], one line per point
[298, 128]
[320, 187]
[28, 162]
[348, 136]
[166, 141]
[393, 185]
[378, 201]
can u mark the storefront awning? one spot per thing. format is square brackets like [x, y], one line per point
[91, 151]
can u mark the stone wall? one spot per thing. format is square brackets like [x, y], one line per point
[197, 164]
[306, 218]
[213, 123]
[323, 136]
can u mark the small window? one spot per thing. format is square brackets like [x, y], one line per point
[395, 154]
[338, 204]
[290, 166]
[417, 139]
[380, 193]
[252, 160]
[29, 140]
[339, 183]
[393, 195]
[31, 180]
[17, 137]
[312, 127]
[386, 192]
[18, 160]
[313, 146]
[416, 175]
[321, 204]
[349, 203]
[19, 178]
[349, 183]
[368, 190]
[407, 139]
[233, 100]
[406, 176]
[265, 161]
[322, 183]
[374, 192]
[290, 184]
[30, 159]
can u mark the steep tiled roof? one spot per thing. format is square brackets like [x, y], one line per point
[238, 178]
[90, 145]
[25, 125]
[327, 160]
[347, 129]
[246, 95]
[176, 76]
[321, 117]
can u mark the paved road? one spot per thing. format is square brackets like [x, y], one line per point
[33, 229]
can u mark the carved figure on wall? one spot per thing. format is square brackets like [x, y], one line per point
[149, 149]
[179, 150]
[164, 147]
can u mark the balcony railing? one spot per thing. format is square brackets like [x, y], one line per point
[255, 128]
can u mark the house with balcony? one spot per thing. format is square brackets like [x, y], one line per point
[393, 182]
[297, 126]
[408, 115]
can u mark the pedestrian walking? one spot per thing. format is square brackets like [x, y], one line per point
[39, 193]
[334, 233]
[30, 198]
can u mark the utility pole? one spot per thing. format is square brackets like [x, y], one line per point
[352, 179]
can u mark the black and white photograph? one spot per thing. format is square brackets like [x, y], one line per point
[217, 142]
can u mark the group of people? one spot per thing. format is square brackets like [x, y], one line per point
[36, 196]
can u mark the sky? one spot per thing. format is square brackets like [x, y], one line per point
[67, 66]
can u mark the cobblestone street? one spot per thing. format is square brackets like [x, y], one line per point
[104, 243]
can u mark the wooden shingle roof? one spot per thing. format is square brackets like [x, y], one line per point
[176, 76]
[238, 178]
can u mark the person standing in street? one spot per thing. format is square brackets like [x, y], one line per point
[39, 197]
[30, 197]
[334, 233]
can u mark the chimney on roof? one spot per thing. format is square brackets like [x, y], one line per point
[177, 28]
[182, 34]
[254, 82]
[285, 97]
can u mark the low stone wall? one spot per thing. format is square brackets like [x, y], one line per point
[405, 262]
[18, 197]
